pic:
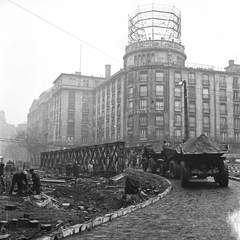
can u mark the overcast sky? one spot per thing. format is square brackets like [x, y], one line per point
[33, 52]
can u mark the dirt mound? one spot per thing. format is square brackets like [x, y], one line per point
[202, 144]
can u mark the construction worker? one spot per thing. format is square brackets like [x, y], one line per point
[2, 177]
[20, 178]
[36, 181]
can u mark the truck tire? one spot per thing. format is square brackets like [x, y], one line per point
[174, 169]
[162, 170]
[185, 174]
[152, 166]
[223, 174]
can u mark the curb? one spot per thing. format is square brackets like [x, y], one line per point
[234, 178]
[77, 228]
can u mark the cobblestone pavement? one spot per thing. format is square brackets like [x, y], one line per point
[201, 211]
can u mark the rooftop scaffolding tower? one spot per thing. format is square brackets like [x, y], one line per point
[154, 22]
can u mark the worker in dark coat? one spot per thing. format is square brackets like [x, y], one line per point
[2, 177]
[20, 178]
[36, 181]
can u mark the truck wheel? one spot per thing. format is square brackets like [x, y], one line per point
[174, 169]
[162, 170]
[185, 174]
[223, 174]
[152, 166]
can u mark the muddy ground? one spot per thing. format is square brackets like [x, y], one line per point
[76, 201]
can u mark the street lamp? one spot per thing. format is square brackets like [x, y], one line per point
[185, 109]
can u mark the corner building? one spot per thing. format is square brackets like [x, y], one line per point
[143, 103]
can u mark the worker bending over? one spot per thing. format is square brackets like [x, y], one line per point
[36, 181]
[20, 178]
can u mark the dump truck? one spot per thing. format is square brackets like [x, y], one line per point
[200, 157]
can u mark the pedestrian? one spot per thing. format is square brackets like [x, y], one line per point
[90, 168]
[20, 178]
[36, 181]
[2, 177]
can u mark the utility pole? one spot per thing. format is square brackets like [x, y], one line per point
[185, 109]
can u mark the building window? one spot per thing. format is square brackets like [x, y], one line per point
[178, 119]
[224, 136]
[85, 97]
[178, 91]
[237, 123]
[85, 107]
[223, 108]
[85, 129]
[206, 121]
[72, 81]
[177, 77]
[70, 139]
[191, 78]
[237, 137]
[206, 93]
[159, 120]
[192, 121]
[235, 82]
[143, 77]
[206, 108]
[85, 118]
[71, 105]
[130, 79]
[223, 95]
[159, 105]
[71, 116]
[143, 90]
[71, 96]
[130, 107]
[177, 134]
[205, 79]
[130, 121]
[192, 92]
[143, 134]
[192, 133]
[143, 104]
[223, 122]
[71, 129]
[159, 90]
[235, 95]
[236, 109]
[159, 76]
[143, 120]
[192, 106]
[130, 92]
[119, 83]
[159, 134]
[222, 81]
[84, 140]
[178, 106]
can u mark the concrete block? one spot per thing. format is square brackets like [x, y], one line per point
[33, 223]
[97, 221]
[10, 207]
[105, 219]
[114, 215]
[83, 227]
[120, 213]
[67, 232]
[12, 224]
[46, 227]
[89, 225]
[76, 227]
[155, 199]
[23, 222]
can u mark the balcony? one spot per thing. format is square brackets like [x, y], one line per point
[223, 98]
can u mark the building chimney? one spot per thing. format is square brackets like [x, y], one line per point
[107, 71]
[231, 62]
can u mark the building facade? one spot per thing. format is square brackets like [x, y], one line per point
[143, 103]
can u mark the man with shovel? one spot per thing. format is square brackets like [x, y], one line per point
[20, 178]
[36, 181]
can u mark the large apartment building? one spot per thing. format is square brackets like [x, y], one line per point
[143, 103]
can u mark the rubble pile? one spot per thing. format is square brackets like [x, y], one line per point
[74, 202]
[202, 144]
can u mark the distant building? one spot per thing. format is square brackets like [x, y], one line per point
[143, 102]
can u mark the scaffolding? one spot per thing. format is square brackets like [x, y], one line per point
[154, 22]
